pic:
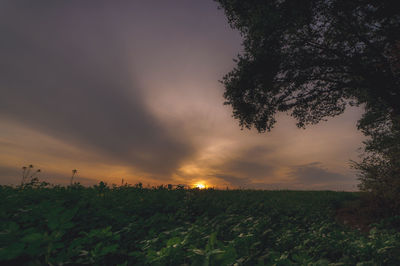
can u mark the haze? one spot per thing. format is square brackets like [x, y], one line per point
[129, 89]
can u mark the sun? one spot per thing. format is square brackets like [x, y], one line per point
[200, 186]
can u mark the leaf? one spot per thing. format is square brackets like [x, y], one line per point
[12, 226]
[58, 245]
[60, 218]
[52, 222]
[228, 257]
[109, 249]
[198, 251]
[67, 225]
[12, 251]
[212, 241]
[68, 214]
[56, 235]
[216, 251]
[33, 237]
[173, 241]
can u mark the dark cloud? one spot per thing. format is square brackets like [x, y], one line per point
[252, 169]
[250, 163]
[313, 175]
[248, 183]
[257, 152]
[234, 180]
[67, 73]
[249, 169]
[117, 85]
[252, 175]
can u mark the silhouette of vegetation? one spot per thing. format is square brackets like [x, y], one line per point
[26, 173]
[313, 58]
[132, 225]
[74, 172]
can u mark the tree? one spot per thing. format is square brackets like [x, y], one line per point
[313, 58]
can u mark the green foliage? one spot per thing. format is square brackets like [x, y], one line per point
[131, 225]
[380, 168]
[311, 59]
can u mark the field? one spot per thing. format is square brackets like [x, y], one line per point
[132, 225]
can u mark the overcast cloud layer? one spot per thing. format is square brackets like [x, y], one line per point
[120, 89]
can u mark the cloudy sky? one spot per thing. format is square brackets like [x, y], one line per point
[129, 89]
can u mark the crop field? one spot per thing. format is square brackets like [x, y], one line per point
[132, 225]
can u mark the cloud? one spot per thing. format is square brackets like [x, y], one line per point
[248, 169]
[10, 175]
[250, 163]
[252, 169]
[313, 175]
[248, 183]
[234, 180]
[129, 89]
[68, 75]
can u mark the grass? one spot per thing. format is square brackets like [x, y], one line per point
[132, 225]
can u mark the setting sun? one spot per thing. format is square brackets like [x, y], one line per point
[200, 186]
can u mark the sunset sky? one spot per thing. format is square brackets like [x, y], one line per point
[129, 89]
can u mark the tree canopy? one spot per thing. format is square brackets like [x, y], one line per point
[311, 58]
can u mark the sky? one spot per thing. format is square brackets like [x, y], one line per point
[130, 90]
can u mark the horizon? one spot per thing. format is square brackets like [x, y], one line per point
[131, 90]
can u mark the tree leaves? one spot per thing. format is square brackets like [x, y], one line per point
[310, 58]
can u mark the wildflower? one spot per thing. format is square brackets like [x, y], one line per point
[74, 171]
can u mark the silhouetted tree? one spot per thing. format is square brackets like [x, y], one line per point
[311, 59]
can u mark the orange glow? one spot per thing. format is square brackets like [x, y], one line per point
[200, 186]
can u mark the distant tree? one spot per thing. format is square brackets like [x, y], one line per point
[311, 59]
